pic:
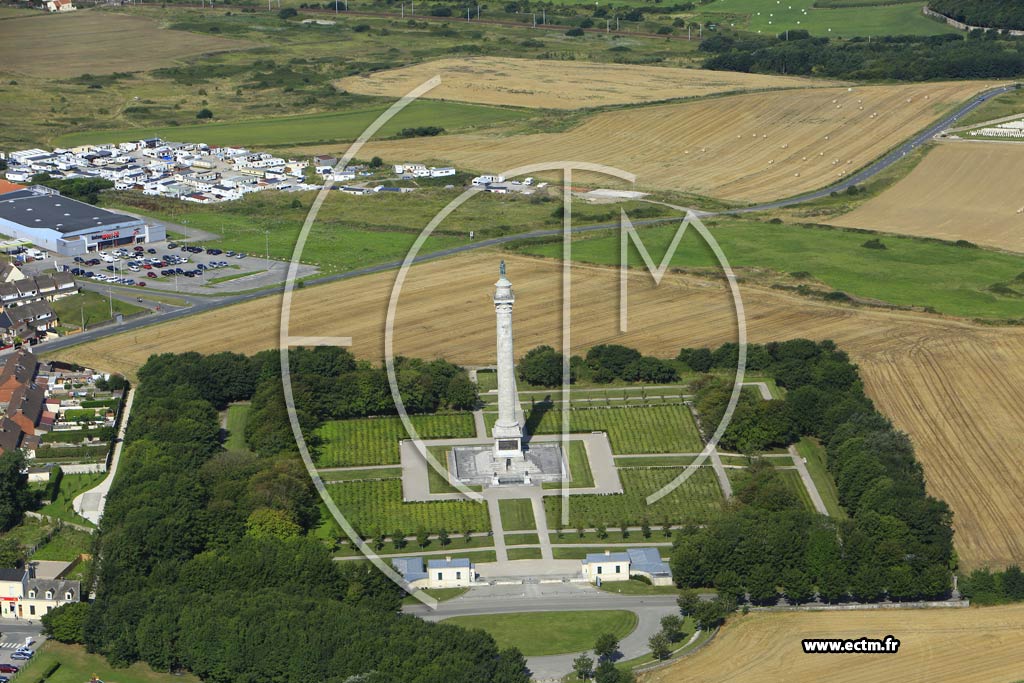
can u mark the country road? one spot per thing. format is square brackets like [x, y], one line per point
[203, 304]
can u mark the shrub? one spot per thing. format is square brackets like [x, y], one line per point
[361, 28]
[288, 13]
[204, 113]
[574, 32]
[874, 244]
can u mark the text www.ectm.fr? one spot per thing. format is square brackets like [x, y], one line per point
[887, 645]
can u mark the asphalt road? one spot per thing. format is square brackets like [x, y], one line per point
[200, 305]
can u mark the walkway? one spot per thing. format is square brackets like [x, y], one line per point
[812, 490]
[91, 503]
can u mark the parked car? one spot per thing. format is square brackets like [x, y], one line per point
[110, 268]
[239, 255]
[140, 284]
[20, 656]
[8, 669]
[139, 249]
[150, 274]
[5, 679]
[172, 245]
[151, 250]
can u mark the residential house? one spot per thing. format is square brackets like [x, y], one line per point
[11, 435]
[23, 596]
[19, 370]
[28, 403]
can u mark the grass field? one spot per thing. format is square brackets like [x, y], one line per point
[311, 129]
[374, 441]
[66, 545]
[1007, 104]
[524, 554]
[237, 415]
[70, 486]
[653, 429]
[956, 387]
[78, 666]
[550, 633]
[961, 190]
[517, 514]
[695, 500]
[376, 507]
[91, 306]
[741, 148]
[950, 279]
[873, 19]
[977, 645]
[64, 45]
[565, 85]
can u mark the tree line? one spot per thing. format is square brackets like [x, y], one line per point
[900, 58]
[1001, 14]
[327, 384]
[896, 542]
[603, 364]
[205, 560]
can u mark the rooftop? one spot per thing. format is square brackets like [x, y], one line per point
[36, 209]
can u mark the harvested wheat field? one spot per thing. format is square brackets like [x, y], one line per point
[956, 387]
[960, 191]
[97, 42]
[550, 84]
[743, 148]
[977, 645]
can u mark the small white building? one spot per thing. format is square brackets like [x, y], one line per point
[607, 566]
[442, 172]
[446, 573]
[488, 179]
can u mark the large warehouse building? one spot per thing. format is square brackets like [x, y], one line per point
[67, 226]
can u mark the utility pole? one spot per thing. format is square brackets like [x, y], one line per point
[110, 297]
[543, 16]
[267, 235]
[403, 10]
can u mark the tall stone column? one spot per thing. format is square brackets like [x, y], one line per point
[508, 434]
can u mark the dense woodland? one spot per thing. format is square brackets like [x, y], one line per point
[897, 541]
[1003, 14]
[206, 565]
[900, 58]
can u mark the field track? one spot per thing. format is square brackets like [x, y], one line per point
[744, 148]
[936, 646]
[561, 85]
[956, 387]
[61, 46]
[961, 190]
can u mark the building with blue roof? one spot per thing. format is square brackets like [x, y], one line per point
[448, 572]
[620, 566]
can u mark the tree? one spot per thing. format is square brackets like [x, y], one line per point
[583, 666]
[761, 585]
[710, 614]
[698, 360]
[14, 494]
[205, 113]
[672, 627]
[376, 162]
[270, 523]
[1013, 582]
[606, 646]
[797, 585]
[645, 529]
[11, 553]
[688, 601]
[398, 539]
[422, 537]
[660, 645]
[287, 13]
[511, 667]
[442, 537]
[729, 584]
[66, 623]
[541, 366]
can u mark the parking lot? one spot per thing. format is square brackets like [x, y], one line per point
[175, 267]
[13, 634]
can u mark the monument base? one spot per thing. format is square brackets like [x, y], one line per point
[480, 466]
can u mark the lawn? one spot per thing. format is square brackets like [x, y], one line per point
[361, 475]
[551, 633]
[1007, 104]
[91, 306]
[907, 272]
[524, 554]
[237, 415]
[634, 587]
[517, 514]
[521, 539]
[653, 429]
[657, 461]
[374, 440]
[78, 666]
[376, 507]
[817, 466]
[695, 500]
[66, 545]
[70, 486]
[774, 16]
[311, 129]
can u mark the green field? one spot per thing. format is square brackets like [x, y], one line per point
[78, 666]
[550, 633]
[310, 129]
[517, 514]
[376, 507]
[908, 272]
[237, 415]
[656, 461]
[1007, 104]
[817, 459]
[775, 16]
[521, 539]
[695, 500]
[92, 306]
[374, 441]
[524, 554]
[654, 429]
[66, 545]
